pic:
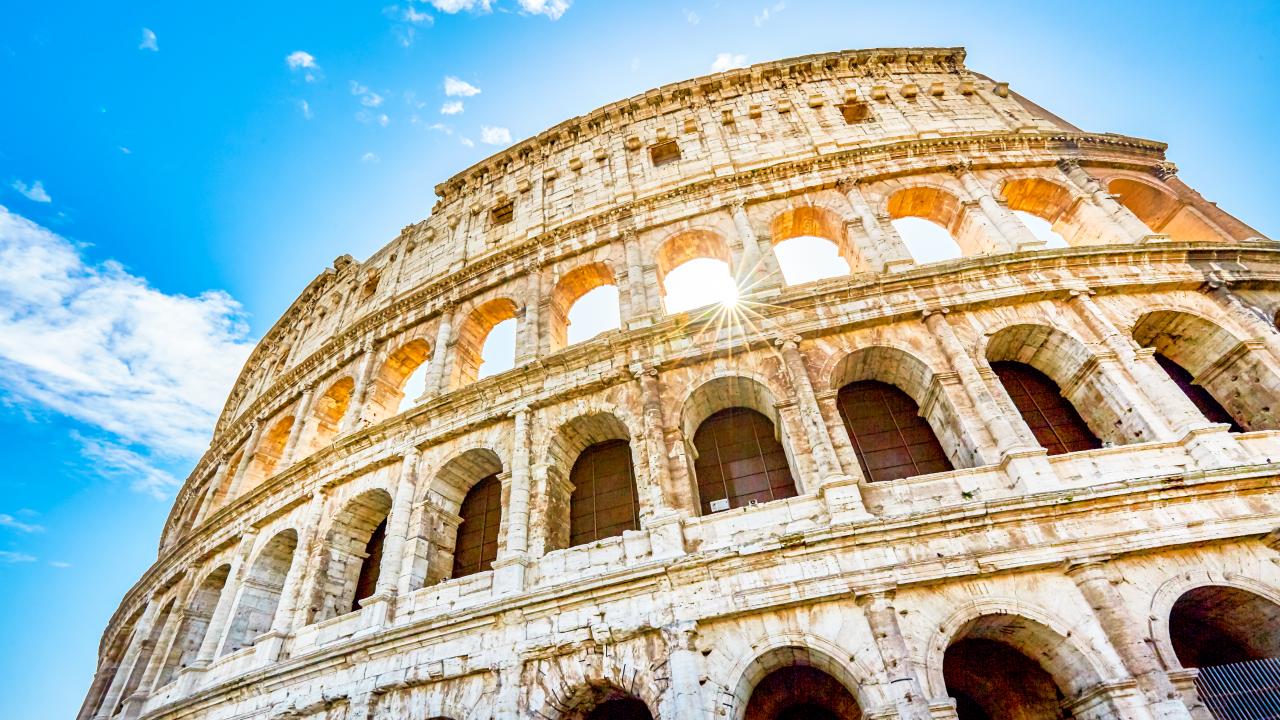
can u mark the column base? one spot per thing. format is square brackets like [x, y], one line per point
[509, 574]
[842, 496]
[1029, 470]
[666, 535]
[268, 647]
[1212, 447]
[375, 613]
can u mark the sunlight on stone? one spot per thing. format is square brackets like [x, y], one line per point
[699, 283]
[1042, 229]
[414, 386]
[499, 354]
[805, 259]
[927, 241]
[594, 313]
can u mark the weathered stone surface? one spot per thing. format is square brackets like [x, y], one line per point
[1074, 560]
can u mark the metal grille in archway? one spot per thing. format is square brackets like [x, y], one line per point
[481, 512]
[1051, 417]
[603, 504]
[740, 460]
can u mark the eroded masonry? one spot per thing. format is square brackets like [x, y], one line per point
[1025, 482]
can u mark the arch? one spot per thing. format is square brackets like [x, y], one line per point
[792, 233]
[195, 623]
[346, 550]
[938, 206]
[146, 649]
[593, 452]
[448, 493]
[705, 286]
[1231, 372]
[1176, 586]
[267, 456]
[1204, 401]
[260, 595]
[722, 468]
[605, 701]
[1219, 625]
[762, 691]
[568, 291]
[1052, 379]
[1066, 214]
[889, 436]
[1163, 211]
[328, 410]
[387, 388]
[1042, 642]
[468, 350]
[479, 532]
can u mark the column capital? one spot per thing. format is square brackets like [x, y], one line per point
[1164, 170]
[930, 312]
[963, 166]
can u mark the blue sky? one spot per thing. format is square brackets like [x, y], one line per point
[172, 175]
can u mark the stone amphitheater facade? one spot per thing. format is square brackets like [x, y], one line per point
[1081, 552]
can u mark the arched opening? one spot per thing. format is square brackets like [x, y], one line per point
[602, 701]
[329, 409]
[195, 623]
[486, 342]
[1232, 636]
[1163, 212]
[1053, 214]
[1234, 376]
[737, 452]
[604, 502]
[370, 566]
[393, 389]
[454, 487]
[478, 533]
[1204, 402]
[260, 597]
[991, 680]
[1220, 625]
[928, 220]
[625, 708]
[143, 658]
[890, 437]
[797, 683]
[583, 305]
[1007, 667]
[810, 245]
[693, 271]
[1069, 400]
[223, 489]
[266, 457]
[347, 550]
[1052, 418]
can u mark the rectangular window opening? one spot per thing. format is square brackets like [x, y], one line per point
[664, 152]
[856, 112]
[503, 213]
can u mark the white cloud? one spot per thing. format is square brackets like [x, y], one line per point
[59, 564]
[691, 17]
[495, 135]
[125, 150]
[97, 344]
[369, 158]
[14, 523]
[305, 107]
[34, 192]
[728, 61]
[304, 62]
[453, 107]
[368, 98]
[9, 558]
[453, 87]
[551, 8]
[467, 141]
[383, 120]
[453, 6]
[767, 13]
[441, 128]
[149, 40]
[417, 18]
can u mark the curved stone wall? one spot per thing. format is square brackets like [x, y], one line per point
[248, 611]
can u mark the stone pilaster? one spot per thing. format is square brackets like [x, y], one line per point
[360, 393]
[684, 663]
[1015, 235]
[510, 566]
[882, 250]
[905, 688]
[1130, 225]
[436, 376]
[246, 458]
[300, 418]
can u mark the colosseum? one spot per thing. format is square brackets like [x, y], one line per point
[1031, 479]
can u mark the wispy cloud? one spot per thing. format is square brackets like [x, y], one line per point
[147, 371]
[301, 61]
[61, 564]
[8, 557]
[149, 40]
[125, 151]
[691, 17]
[368, 98]
[305, 107]
[369, 158]
[728, 61]
[34, 192]
[454, 6]
[551, 8]
[495, 135]
[412, 15]
[453, 87]
[453, 107]
[14, 523]
[467, 141]
[767, 13]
